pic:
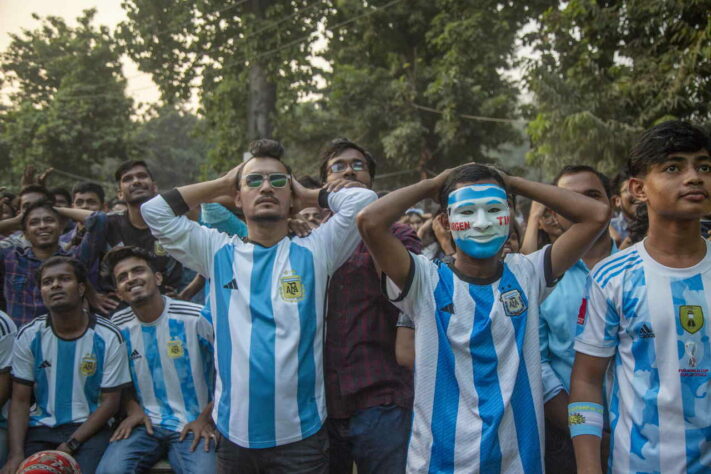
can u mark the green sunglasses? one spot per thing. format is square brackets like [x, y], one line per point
[276, 180]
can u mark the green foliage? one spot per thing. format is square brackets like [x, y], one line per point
[607, 70]
[69, 108]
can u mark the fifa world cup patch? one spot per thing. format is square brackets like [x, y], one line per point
[87, 367]
[691, 318]
[291, 288]
[513, 302]
[175, 348]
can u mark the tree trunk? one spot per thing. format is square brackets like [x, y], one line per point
[262, 90]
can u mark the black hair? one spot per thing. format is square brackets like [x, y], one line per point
[127, 165]
[468, 174]
[617, 181]
[41, 204]
[575, 169]
[89, 187]
[264, 148]
[36, 188]
[62, 192]
[309, 182]
[80, 272]
[112, 202]
[657, 143]
[117, 254]
[337, 146]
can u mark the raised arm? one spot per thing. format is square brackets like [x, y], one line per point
[589, 217]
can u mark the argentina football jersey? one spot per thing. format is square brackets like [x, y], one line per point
[653, 321]
[478, 392]
[8, 330]
[68, 376]
[171, 362]
[267, 306]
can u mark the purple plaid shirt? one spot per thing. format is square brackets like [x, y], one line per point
[360, 366]
[19, 293]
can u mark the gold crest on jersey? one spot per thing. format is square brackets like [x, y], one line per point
[175, 348]
[291, 289]
[88, 365]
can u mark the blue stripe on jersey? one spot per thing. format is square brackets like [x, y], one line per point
[223, 263]
[445, 404]
[614, 267]
[524, 410]
[612, 261]
[41, 383]
[486, 378]
[131, 363]
[302, 262]
[150, 346]
[262, 348]
[208, 365]
[184, 371]
[66, 351]
[619, 269]
[690, 291]
[92, 384]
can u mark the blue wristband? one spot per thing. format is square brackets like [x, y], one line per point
[585, 418]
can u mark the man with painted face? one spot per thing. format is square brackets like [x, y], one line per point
[478, 389]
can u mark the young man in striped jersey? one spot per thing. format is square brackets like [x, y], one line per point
[478, 390]
[267, 296]
[74, 364]
[170, 358]
[8, 330]
[647, 310]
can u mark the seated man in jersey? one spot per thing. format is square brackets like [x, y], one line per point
[170, 358]
[267, 295]
[75, 366]
[8, 330]
[478, 389]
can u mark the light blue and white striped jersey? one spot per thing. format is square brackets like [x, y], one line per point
[268, 314]
[8, 330]
[171, 362]
[68, 376]
[478, 391]
[653, 320]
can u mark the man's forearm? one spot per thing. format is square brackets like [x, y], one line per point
[207, 191]
[389, 208]
[79, 215]
[571, 205]
[96, 420]
[587, 447]
[17, 427]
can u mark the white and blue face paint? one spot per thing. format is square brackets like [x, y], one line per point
[479, 219]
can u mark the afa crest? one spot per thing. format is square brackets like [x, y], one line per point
[290, 288]
[159, 250]
[691, 318]
[88, 365]
[513, 303]
[175, 348]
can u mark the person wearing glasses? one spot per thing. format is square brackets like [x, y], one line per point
[267, 297]
[368, 395]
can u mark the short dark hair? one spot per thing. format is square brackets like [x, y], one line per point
[309, 182]
[617, 181]
[264, 148]
[127, 165]
[41, 204]
[79, 269]
[575, 169]
[62, 192]
[117, 254]
[337, 146]
[36, 188]
[657, 143]
[468, 174]
[89, 187]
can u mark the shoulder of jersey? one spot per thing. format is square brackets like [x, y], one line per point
[32, 325]
[615, 266]
[122, 317]
[184, 308]
[103, 324]
[7, 325]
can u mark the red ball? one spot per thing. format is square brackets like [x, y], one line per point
[49, 462]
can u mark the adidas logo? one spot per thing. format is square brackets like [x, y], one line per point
[45, 364]
[231, 285]
[135, 355]
[645, 332]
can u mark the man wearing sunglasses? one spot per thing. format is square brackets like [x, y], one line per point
[369, 396]
[267, 296]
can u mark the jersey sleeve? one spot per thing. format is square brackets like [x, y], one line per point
[598, 321]
[405, 321]
[116, 374]
[541, 260]
[188, 242]
[205, 331]
[419, 286]
[339, 237]
[23, 360]
[8, 331]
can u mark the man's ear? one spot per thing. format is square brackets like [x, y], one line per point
[159, 278]
[82, 290]
[636, 188]
[238, 199]
[119, 195]
[616, 201]
[444, 220]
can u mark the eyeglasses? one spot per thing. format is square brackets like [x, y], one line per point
[340, 166]
[276, 180]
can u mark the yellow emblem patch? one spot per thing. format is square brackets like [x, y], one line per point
[88, 365]
[291, 288]
[691, 318]
[159, 250]
[175, 348]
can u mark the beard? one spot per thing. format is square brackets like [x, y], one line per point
[268, 218]
[138, 200]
